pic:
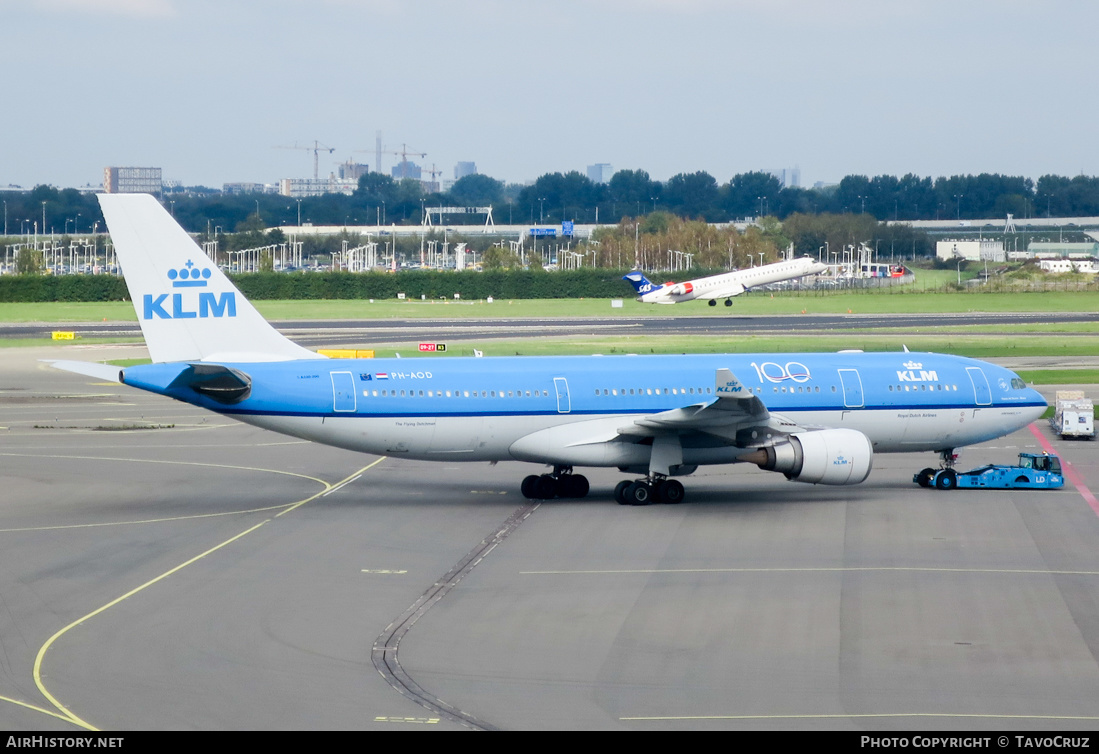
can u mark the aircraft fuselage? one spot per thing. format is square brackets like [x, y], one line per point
[478, 409]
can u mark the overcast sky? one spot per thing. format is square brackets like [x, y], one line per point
[207, 89]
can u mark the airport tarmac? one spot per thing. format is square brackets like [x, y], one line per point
[367, 333]
[165, 568]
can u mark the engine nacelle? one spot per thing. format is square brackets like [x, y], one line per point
[682, 289]
[828, 456]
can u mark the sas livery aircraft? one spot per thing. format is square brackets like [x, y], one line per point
[725, 285]
[816, 418]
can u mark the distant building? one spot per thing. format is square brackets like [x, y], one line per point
[352, 171]
[1056, 250]
[244, 187]
[299, 188]
[600, 172]
[1087, 266]
[132, 180]
[462, 169]
[788, 177]
[991, 251]
[407, 170]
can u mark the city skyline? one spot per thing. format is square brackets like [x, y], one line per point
[208, 90]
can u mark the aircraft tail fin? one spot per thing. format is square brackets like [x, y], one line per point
[188, 309]
[639, 282]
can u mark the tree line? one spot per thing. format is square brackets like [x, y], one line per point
[556, 197]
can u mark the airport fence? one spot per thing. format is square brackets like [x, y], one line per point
[476, 285]
[414, 284]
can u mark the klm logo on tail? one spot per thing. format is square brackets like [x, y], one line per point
[189, 306]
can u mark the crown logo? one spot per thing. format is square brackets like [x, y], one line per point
[189, 276]
[913, 365]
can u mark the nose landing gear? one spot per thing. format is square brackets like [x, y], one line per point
[947, 479]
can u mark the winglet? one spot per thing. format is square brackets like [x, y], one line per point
[728, 386]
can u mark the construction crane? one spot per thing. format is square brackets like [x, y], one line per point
[433, 172]
[315, 149]
[404, 153]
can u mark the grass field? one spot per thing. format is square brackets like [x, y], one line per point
[749, 304]
[1056, 340]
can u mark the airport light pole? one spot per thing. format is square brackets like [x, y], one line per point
[959, 198]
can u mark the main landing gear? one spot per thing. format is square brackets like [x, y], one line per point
[561, 483]
[947, 479]
[728, 302]
[645, 492]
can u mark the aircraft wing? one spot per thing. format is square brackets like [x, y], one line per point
[726, 291]
[735, 418]
[736, 414]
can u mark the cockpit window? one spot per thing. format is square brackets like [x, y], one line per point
[1017, 383]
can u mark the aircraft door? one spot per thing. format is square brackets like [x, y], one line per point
[852, 388]
[564, 403]
[982, 395]
[343, 392]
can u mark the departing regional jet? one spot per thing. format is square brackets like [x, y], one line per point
[814, 417]
[725, 285]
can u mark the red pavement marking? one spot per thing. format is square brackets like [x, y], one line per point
[1070, 472]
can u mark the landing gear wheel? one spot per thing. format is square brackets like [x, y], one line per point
[728, 302]
[545, 488]
[527, 487]
[639, 493]
[946, 480]
[573, 485]
[620, 492]
[713, 302]
[670, 491]
[924, 477]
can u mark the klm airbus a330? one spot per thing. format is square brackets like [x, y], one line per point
[816, 418]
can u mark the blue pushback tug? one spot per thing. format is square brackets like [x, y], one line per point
[1035, 471]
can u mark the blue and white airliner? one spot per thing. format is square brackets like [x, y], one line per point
[813, 417]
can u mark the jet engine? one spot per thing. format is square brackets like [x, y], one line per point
[827, 456]
[682, 289]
